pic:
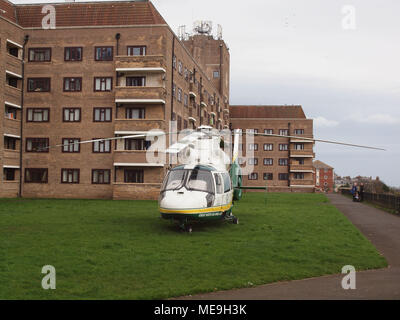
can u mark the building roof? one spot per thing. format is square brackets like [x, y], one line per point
[272, 112]
[321, 165]
[80, 14]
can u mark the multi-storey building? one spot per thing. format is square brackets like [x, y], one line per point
[281, 164]
[108, 69]
[324, 177]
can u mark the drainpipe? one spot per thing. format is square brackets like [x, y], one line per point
[117, 37]
[220, 70]
[172, 76]
[26, 39]
[289, 154]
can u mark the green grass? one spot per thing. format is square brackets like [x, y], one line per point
[122, 250]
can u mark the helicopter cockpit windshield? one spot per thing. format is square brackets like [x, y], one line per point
[192, 180]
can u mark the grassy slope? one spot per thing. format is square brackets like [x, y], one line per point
[122, 250]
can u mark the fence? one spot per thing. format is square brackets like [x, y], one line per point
[388, 201]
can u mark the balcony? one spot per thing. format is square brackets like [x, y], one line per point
[11, 158]
[140, 63]
[301, 182]
[12, 95]
[130, 125]
[130, 156]
[301, 168]
[12, 126]
[307, 153]
[13, 64]
[140, 95]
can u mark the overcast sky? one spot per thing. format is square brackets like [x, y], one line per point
[345, 72]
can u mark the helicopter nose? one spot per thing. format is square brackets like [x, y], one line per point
[183, 199]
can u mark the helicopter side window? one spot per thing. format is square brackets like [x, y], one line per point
[218, 183]
[200, 180]
[227, 182]
[175, 180]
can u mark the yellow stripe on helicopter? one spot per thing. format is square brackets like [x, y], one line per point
[197, 211]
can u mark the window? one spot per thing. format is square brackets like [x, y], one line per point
[283, 147]
[103, 146]
[70, 176]
[252, 130]
[102, 114]
[174, 90]
[71, 114]
[218, 183]
[135, 81]
[185, 100]
[253, 161]
[253, 176]
[180, 67]
[283, 176]
[12, 81]
[135, 113]
[216, 74]
[102, 84]
[10, 143]
[179, 123]
[35, 175]
[37, 144]
[268, 176]
[179, 94]
[253, 146]
[186, 74]
[268, 147]
[284, 132]
[71, 145]
[185, 124]
[72, 84]
[137, 144]
[299, 146]
[39, 54]
[283, 162]
[227, 182]
[103, 53]
[9, 174]
[37, 114]
[268, 161]
[299, 175]
[174, 62]
[299, 131]
[14, 50]
[133, 176]
[38, 84]
[268, 131]
[73, 54]
[136, 50]
[101, 176]
[10, 112]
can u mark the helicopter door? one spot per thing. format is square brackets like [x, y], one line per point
[219, 189]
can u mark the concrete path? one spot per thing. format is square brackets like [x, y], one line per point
[381, 228]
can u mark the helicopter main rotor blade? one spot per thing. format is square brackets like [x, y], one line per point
[318, 140]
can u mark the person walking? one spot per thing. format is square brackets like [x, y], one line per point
[361, 192]
[354, 191]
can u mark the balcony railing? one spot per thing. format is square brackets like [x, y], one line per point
[130, 156]
[301, 182]
[307, 153]
[299, 168]
[155, 94]
[12, 94]
[11, 157]
[12, 126]
[131, 125]
[139, 62]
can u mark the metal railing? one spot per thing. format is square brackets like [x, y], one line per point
[388, 201]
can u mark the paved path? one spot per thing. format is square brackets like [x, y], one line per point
[381, 228]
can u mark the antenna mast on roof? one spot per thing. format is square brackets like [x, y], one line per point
[202, 27]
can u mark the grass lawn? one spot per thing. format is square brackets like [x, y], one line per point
[105, 249]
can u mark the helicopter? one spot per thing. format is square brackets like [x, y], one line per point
[207, 180]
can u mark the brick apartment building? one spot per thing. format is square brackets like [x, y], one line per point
[109, 69]
[281, 164]
[324, 177]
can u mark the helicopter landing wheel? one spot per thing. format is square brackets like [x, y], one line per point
[235, 220]
[189, 229]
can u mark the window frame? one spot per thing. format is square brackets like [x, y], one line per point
[38, 79]
[37, 169]
[105, 109]
[75, 81]
[66, 108]
[105, 78]
[74, 60]
[35, 138]
[33, 113]
[69, 144]
[68, 170]
[268, 173]
[103, 171]
[104, 47]
[42, 49]
[266, 164]
[141, 176]
[141, 47]
[101, 142]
